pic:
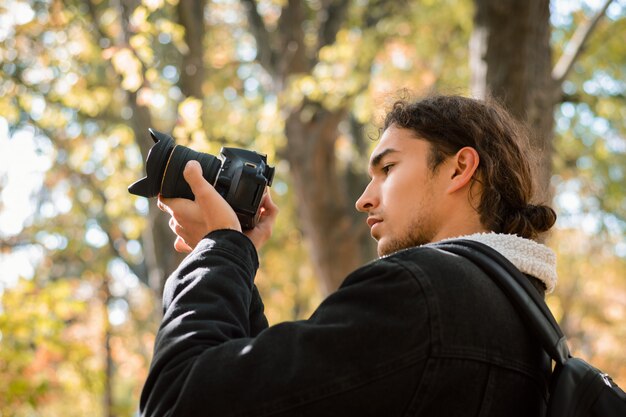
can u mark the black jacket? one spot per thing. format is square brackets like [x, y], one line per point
[418, 333]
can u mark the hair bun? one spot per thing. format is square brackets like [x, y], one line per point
[530, 221]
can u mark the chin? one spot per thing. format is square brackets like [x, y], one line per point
[388, 247]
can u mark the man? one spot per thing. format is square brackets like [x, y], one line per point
[418, 332]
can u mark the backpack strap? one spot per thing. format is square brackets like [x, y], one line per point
[524, 297]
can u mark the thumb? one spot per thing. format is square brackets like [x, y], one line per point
[215, 210]
[193, 176]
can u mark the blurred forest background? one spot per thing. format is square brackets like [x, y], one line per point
[82, 262]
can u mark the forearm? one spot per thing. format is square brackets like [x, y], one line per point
[207, 302]
[258, 321]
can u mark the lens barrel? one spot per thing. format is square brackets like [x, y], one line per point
[174, 184]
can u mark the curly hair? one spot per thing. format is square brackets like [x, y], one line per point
[449, 123]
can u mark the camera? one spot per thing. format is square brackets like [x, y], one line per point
[238, 175]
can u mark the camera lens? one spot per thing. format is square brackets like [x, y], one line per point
[174, 184]
[164, 169]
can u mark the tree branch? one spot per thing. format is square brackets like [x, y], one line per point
[94, 17]
[576, 45]
[379, 10]
[8, 244]
[102, 218]
[265, 53]
[142, 118]
[335, 16]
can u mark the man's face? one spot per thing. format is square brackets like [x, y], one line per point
[404, 199]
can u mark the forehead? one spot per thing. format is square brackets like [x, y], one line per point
[399, 141]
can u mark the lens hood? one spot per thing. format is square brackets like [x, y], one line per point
[156, 163]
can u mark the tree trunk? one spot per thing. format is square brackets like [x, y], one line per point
[192, 71]
[510, 59]
[157, 241]
[337, 242]
[109, 366]
[325, 208]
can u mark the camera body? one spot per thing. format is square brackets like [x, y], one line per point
[238, 175]
[241, 180]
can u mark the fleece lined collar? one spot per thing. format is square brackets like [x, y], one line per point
[528, 256]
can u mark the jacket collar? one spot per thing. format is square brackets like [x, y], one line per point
[528, 256]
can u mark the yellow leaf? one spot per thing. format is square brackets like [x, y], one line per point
[128, 66]
[153, 4]
[190, 112]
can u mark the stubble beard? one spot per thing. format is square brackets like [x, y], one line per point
[420, 232]
[422, 229]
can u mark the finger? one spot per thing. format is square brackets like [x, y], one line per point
[270, 209]
[181, 246]
[162, 204]
[193, 175]
[171, 205]
[174, 226]
[178, 229]
[176, 207]
[205, 194]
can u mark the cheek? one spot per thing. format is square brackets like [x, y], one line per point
[399, 194]
[411, 204]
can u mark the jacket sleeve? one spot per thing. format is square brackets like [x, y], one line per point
[215, 357]
[258, 321]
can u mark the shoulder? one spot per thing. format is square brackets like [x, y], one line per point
[451, 278]
[420, 273]
[392, 284]
[422, 262]
[457, 305]
[449, 285]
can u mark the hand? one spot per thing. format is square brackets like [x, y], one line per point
[263, 230]
[193, 220]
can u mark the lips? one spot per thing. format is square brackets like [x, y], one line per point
[371, 221]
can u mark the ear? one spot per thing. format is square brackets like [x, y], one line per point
[465, 163]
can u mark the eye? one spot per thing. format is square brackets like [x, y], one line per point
[385, 169]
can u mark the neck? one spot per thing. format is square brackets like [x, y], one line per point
[461, 230]
[459, 220]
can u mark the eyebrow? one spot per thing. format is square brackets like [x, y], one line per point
[376, 160]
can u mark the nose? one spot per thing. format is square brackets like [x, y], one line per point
[367, 201]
